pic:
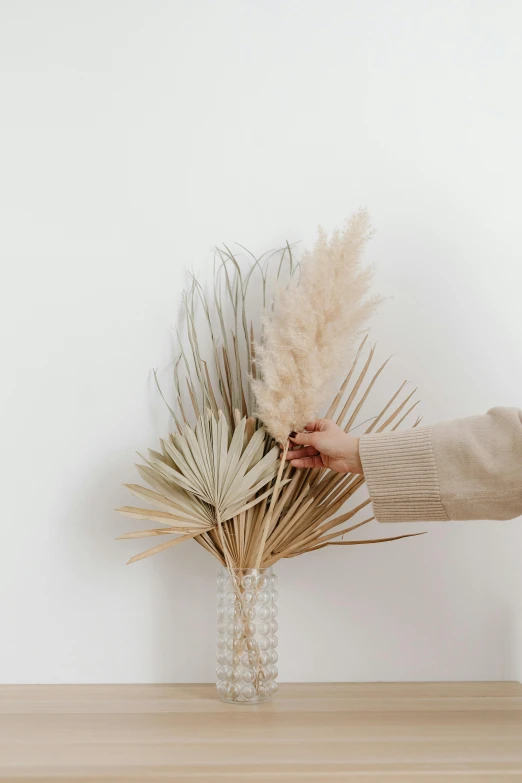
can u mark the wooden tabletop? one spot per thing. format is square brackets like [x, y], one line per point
[419, 732]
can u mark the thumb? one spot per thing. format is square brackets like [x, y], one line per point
[304, 438]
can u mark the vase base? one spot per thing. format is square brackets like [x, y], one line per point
[255, 700]
[248, 694]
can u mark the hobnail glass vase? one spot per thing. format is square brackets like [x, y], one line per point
[247, 641]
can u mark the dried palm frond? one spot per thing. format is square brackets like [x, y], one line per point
[204, 477]
[218, 478]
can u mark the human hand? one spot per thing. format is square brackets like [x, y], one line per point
[326, 446]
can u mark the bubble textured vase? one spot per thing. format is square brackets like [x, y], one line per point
[247, 641]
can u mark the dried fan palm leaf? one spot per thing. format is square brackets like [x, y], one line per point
[219, 474]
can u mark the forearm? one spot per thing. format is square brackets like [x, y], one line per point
[464, 469]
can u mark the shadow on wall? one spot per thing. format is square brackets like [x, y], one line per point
[409, 610]
[152, 621]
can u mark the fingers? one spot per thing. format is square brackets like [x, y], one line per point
[307, 462]
[306, 451]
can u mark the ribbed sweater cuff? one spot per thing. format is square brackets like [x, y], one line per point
[401, 474]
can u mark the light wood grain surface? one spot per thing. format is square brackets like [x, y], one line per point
[426, 732]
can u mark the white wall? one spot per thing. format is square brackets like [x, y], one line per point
[135, 135]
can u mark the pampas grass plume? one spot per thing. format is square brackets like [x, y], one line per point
[312, 330]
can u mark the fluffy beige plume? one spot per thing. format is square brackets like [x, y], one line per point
[310, 334]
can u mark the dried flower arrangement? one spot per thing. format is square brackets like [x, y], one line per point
[218, 478]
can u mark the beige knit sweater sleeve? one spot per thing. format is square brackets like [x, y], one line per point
[463, 469]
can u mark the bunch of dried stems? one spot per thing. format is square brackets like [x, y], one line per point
[218, 478]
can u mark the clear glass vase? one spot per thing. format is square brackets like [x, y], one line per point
[247, 641]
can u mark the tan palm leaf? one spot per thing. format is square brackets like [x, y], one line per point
[203, 477]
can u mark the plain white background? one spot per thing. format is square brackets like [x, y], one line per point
[135, 136]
